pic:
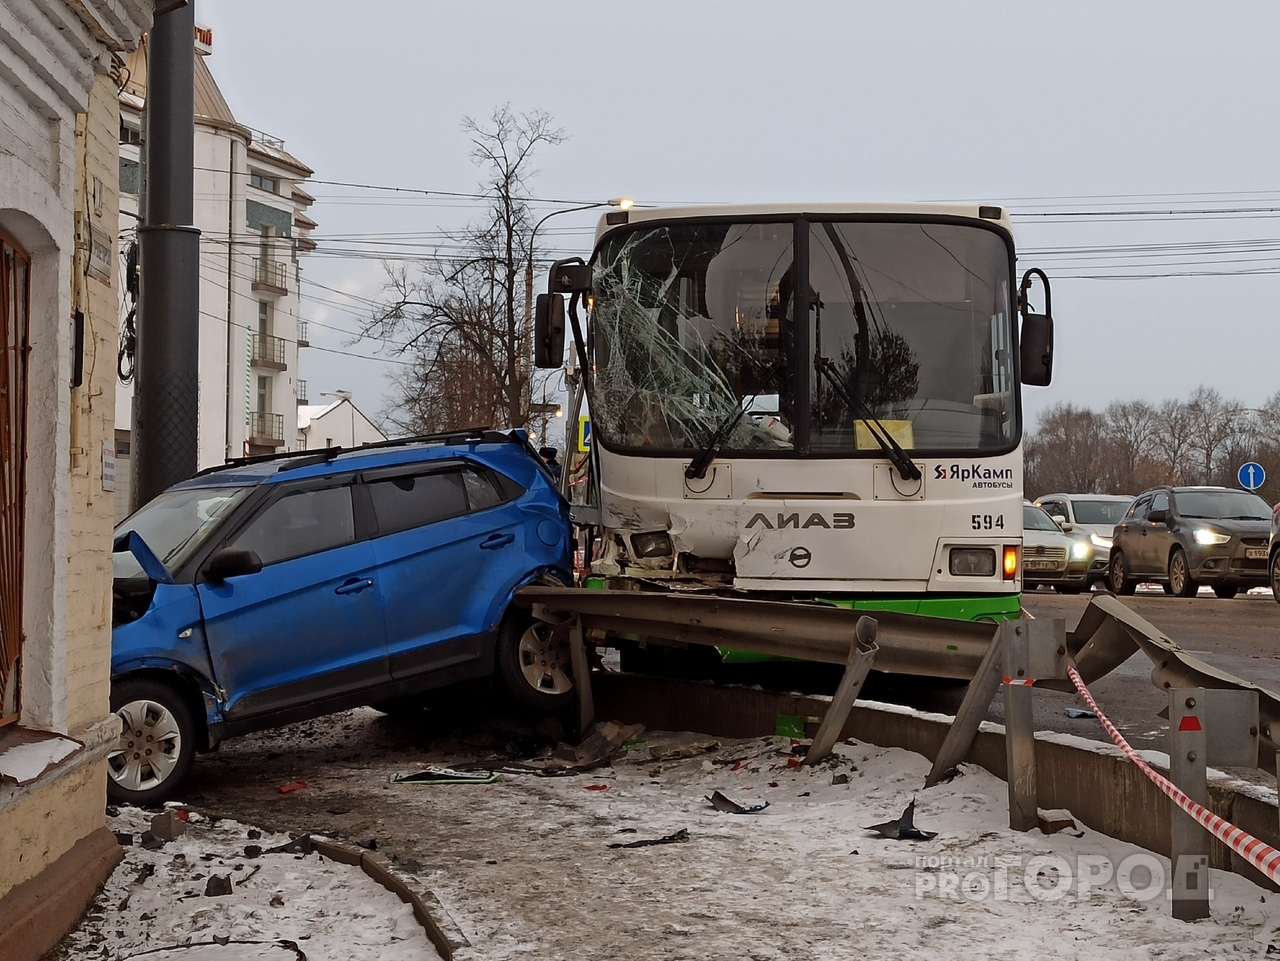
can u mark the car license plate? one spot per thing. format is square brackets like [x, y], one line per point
[1032, 565]
[1255, 553]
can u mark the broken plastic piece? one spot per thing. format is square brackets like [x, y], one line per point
[903, 828]
[1077, 712]
[432, 774]
[290, 788]
[728, 806]
[595, 787]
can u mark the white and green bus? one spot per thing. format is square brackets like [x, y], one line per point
[805, 402]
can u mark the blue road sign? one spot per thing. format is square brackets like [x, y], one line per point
[1251, 475]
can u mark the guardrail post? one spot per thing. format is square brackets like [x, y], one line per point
[581, 676]
[1206, 726]
[982, 691]
[1188, 769]
[862, 652]
[1019, 728]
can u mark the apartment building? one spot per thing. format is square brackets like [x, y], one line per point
[250, 208]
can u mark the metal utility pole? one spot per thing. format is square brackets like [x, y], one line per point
[165, 413]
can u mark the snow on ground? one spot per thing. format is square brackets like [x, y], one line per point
[156, 899]
[534, 867]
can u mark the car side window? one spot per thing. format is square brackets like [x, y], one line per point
[415, 500]
[1139, 509]
[300, 523]
[481, 490]
[1160, 502]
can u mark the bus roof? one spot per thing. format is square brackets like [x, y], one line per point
[971, 210]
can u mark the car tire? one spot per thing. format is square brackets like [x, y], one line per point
[534, 664]
[157, 742]
[1117, 575]
[1180, 581]
[1225, 591]
[1275, 575]
[1166, 588]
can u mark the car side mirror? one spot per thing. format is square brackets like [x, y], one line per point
[548, 331]
[1158, 516]
[232, 562]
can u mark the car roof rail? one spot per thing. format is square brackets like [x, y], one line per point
[297, 459]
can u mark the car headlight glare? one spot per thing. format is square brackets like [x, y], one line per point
[1081, 550]
[1207, 536]
[1100, 541]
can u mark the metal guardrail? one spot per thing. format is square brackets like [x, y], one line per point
[908, 644]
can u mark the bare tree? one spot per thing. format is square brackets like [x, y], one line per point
[1212, 424]
[1130, 427]
[463, 309]
[1068, 453]
[1172, 441]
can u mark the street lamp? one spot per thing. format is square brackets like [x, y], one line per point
[344, 395]
[622, 203]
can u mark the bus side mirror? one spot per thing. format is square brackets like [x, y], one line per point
[548, 331]
[1036, 341]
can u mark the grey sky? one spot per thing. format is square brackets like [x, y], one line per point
[1080, 107]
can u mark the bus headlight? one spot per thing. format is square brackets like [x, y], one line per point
[972, 562]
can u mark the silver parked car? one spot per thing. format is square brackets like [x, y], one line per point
[1093, 515]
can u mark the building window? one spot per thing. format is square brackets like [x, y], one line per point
[129, 134]
[263, 182]
[15, 305]
[264, 394]
[264, 318]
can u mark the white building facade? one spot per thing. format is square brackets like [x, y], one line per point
[339, 424]
[62, 65]
[250, 210]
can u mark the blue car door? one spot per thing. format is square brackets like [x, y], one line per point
[449, 552]
[308, 626]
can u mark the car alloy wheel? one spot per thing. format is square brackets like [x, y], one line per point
[1179, 577]
[535, 664]
[1117, 575]
[156, 745]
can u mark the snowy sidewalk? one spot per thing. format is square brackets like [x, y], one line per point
[548, 867]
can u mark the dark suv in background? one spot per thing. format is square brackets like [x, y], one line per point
[1187, 536]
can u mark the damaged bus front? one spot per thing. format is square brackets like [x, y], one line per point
[805, 403]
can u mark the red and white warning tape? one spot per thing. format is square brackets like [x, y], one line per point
[1257, 852]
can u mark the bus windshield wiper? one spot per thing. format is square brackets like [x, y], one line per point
[893, 450]
[697, 468]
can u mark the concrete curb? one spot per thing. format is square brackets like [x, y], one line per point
[440, 928]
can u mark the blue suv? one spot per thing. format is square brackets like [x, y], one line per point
[283, 588]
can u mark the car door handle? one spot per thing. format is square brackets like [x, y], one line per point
[494, 541]
[353, 585]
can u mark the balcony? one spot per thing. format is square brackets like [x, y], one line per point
[268, 351]
[303, 339]
[270, 275]
[266, 429]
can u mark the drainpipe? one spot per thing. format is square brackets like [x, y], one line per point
[166, 410]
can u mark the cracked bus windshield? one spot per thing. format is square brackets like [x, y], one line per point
[908, 333]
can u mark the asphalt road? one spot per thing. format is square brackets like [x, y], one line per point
[1240, 636]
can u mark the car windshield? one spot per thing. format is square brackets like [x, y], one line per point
[1035, 519]
[1223, 505]
[174, 525]
[1100, 512]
